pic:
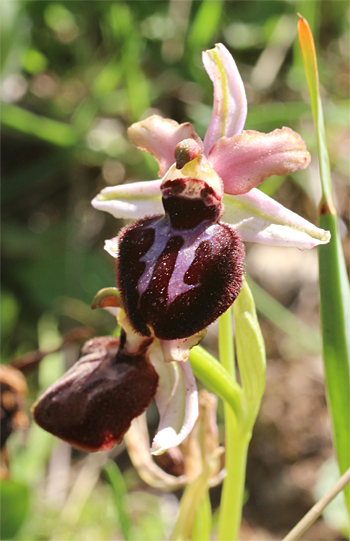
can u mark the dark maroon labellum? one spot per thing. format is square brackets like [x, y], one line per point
[92, 405]
[179, 272]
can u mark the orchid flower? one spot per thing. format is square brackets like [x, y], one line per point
[179, 268]
[92, 405]
[189, 262]
[242, 159]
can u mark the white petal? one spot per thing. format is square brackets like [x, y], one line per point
[131, 201]
[112, 246]
[179, 350]
[259, 218]
[177, 402]
[230, 102]
[137, 444]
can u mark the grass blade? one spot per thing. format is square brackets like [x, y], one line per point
[334, 284]
[44, 128]
[117, 483]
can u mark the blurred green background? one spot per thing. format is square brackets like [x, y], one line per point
[75, 75]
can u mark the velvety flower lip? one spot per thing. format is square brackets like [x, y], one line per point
[242, 160]
[92, 405]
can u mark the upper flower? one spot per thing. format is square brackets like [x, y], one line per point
[240, 159]
[180, 271]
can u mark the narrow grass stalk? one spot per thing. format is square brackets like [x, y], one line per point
[192, 500]
[334, 284]
[317, 509]
[117, 483]
[44, 128]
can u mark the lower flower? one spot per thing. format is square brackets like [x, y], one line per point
[92, 405]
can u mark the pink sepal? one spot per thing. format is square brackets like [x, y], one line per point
[245, 160]
[230, 102]
[159, 136]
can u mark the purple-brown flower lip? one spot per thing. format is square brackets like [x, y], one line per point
[181, 279]
[92, 405]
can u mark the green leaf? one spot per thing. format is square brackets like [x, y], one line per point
[250, 352]
[14, 506]
[335, 320]
[44, 128]
[118, 486]
[333, 281]
[205, 24]
[238, 428]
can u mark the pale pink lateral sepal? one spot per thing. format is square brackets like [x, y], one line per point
[176, 399]
[131, 201]
[159, 136]
[245, 160]
[230, 102]
[259, 218]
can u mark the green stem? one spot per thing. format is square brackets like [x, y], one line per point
[235, 445]
[233, 489]
[202, 521]
[333, 278]
[226, 350]
[210, 372]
